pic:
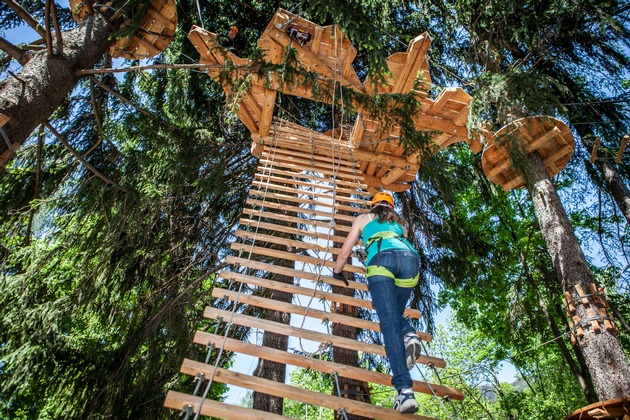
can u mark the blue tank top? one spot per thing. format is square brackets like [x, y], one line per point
[374, 227]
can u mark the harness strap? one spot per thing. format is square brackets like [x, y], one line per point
[377, 270]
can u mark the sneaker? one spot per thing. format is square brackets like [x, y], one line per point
[413, 349]
[405, 401]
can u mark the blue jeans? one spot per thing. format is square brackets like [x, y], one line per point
[390, 302]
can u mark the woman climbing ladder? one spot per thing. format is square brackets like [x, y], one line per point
[392, 272]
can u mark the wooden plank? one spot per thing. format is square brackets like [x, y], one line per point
[325, 201]
[253, 224]
[259, 238]
[179, 401]
[306, 166]
[306, 311]
[291, 272]
[318, 337]
[347, 300]
[333, 157]
[392, 176]
[622, 148]
[319, 294]
[290, 256]
[416, 52]
[312, 61]
[291, 308]
[266, 204]
[314, 182]
[338, 197]
[291, 219]
[281, 356]
[266, 114]
[281, 390]
[598, 141]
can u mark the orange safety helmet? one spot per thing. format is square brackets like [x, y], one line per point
[383, 196]
[234, 28]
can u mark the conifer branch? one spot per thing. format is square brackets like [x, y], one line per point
[26, 16]
[13, 51]
[79, 157]
[86, 72]
[48, 36]
[121, 97]
[57, 27]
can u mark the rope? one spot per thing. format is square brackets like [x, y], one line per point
[9, 145]
[240, 289]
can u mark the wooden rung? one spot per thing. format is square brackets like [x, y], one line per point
[281, 390]
[622, 148]
[264, 180]
[319, 181]
[281, 356]
[216, 409]
[290, 256]
[598, 141]
[324, 149]
[259, 238]
[285, 271]
[318, 337]
[339, 197]
[310, 165]
[253, 224]
[293, 198]
[264, 165]
[290, 288]
[256, 214]
[584, 299]
[333, 157]
[297, 209]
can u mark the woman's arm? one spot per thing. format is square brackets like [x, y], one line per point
[351, 239]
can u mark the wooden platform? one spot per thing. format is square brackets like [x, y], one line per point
[328, 55]
[617, 409]
[549, 137]
[294, 214]
[155, 30]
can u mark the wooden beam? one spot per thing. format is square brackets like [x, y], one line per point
[281, 390]
[326, 224]
[298, 210]
[338, 196]
[291, 272]
[266, 114]
[179, 401]
[319, 294]
[318, 180]
[624, 143]
[290, 256]
[318, 337]
[281, 356]
[286, 229]
[261, 238]
[326, 202]
[598, 141]
[416, 52]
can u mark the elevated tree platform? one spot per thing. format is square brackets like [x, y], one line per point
[547, 136]
[617, 409]
[325, 55]
[154, 32]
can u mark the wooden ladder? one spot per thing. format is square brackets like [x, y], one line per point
[308, 188]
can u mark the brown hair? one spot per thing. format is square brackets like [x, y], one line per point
[387, 214]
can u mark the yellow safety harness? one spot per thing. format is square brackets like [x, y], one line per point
[377, 270]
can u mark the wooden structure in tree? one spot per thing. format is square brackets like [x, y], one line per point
[327, 54]
[155, 29]
[547, 136]
[617, 409]
[304, 196]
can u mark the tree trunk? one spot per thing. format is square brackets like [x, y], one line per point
[31, 97]
[348, 388]
[584, 380]
[617, 188]
[273, 370]
[602, 351]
